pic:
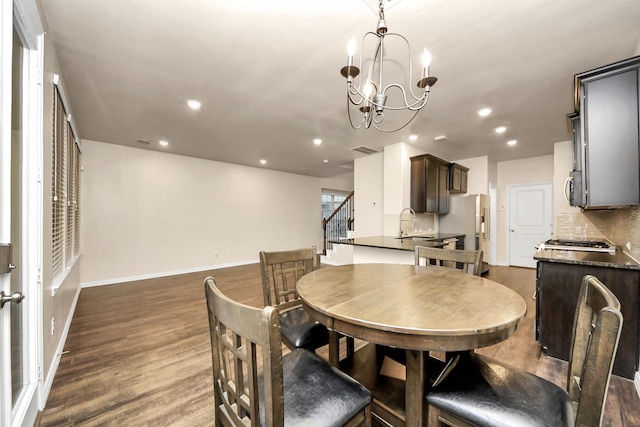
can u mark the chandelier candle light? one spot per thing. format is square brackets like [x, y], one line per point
[372, 97]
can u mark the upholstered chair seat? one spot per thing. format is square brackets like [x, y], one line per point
[299, 330]
[487, 392]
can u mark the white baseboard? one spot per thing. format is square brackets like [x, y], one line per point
[114, 281]
[636, 381]
[46, 388]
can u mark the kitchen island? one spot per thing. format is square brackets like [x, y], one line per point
[558, 280]
[389, 249]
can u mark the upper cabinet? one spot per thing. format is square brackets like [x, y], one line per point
[457, 178]
[606, 130]
[429, 184]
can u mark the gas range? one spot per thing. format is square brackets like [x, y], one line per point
[578, 245]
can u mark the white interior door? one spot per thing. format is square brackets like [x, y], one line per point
[530, 221]
[20, 138]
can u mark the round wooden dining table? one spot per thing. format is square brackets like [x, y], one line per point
[416, 308]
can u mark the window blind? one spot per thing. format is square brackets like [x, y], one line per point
[65, 185]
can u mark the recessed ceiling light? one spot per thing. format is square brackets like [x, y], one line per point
[325, 161]
[263, 161]
[163, 142]
[484, 112]
[193, 104]
[317, 141]
[512, 142]
[501, 129]
[413, 137]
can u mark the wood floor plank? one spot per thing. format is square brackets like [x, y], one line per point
[138, 353]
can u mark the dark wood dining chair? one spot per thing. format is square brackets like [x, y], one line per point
[265, 388]
[467, 260]
[482, 391]
[281, 271]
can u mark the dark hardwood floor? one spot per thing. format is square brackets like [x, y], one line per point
[138, 354]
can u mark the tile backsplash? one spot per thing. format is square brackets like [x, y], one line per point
[619, 226]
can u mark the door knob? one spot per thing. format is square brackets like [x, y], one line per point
[14, 298]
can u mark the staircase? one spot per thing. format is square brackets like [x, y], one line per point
[340, 221]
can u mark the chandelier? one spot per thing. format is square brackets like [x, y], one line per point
[371, 97]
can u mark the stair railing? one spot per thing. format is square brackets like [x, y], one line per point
[340, 221]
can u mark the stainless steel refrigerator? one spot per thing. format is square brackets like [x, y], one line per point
[469, 215]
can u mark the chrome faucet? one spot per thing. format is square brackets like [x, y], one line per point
[413, 221]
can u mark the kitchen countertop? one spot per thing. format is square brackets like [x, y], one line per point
[597, 259]
[404, 244]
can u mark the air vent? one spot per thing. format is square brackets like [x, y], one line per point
[143, 141]
[364, 149]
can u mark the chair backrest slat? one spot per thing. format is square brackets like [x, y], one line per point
[281, 271]
[468, 260]
[596, 332]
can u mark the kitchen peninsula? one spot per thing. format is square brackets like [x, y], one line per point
[389, 249]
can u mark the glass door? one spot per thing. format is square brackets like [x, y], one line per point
[20, 138]
[16, 276]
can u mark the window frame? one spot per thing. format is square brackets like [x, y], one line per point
[65, 188]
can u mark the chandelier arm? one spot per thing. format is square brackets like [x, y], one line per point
[415, 113]
[418, 104]
[411, 82]
[364, 38]
[354, 91]
[351, 93]
[372, 66]
[349, 113]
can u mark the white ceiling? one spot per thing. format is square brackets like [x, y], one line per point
[267, 73]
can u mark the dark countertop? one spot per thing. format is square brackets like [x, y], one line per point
[404, 244]
[597, 259]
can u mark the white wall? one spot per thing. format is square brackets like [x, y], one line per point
[342, 182]
[397, 184]
[369, 195]
[148, 214]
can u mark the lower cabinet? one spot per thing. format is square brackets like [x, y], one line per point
[558, 285]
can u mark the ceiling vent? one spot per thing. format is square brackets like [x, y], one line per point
[143, 141]
[364, 149]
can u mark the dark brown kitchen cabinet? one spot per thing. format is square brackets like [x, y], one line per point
[558, 285]
[429, 184]
[457, 178]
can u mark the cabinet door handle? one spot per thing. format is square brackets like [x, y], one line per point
[566, 186]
